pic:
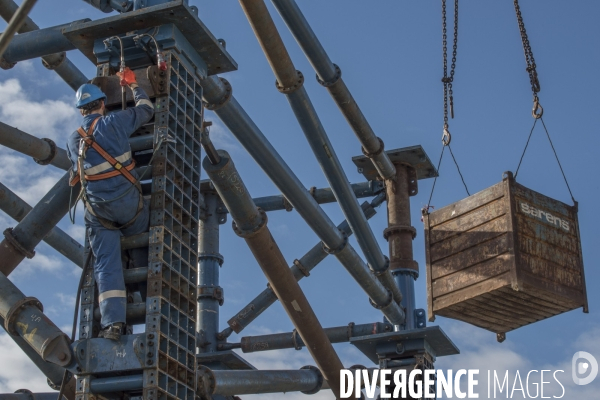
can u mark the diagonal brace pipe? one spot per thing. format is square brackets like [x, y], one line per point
[15, 24]
[251, 224]
[217, 93]
[58, 239]
[301, 268]
[21, 241]
[290, 82]
[57, 62]
[329, 75]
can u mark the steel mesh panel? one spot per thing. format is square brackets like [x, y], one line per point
[173, 255]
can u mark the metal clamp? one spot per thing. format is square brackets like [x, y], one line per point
[349, 330]
[389, 301]
[52, 154]
[383, 270]
[339, 248]
[205, 382]
[294, 87]
[297, 346]
[251, 232]
[319, 385]
[14, 312]
[407, 271]
[287, 205]
[302, 268]
[375, 153]
[420, 320]
[223, 100]
[501, 337]
[5, 64]
[215, 256]
[411, 176]
[157, 79]
[398, 229]
[338, 75]
[10, 238]
[27, 392]
[213, 292]
[61, 58]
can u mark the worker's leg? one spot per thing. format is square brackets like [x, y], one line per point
[108, 271]
[141, 224]
[139, 256]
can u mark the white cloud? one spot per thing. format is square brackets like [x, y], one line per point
[17, 371]
[53, 119]
[223, 139]
[480, 351]
[41, 262]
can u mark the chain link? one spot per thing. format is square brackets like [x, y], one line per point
[448, 79]
[531, 66]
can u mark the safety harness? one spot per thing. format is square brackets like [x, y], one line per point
[93, 174]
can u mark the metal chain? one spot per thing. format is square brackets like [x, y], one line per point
[448, 96]
[448, 79]
[537, 110]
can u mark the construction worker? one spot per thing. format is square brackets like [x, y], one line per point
[101, 157]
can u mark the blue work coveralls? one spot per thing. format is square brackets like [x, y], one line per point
[112, 133]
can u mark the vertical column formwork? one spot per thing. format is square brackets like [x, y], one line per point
[170, 362]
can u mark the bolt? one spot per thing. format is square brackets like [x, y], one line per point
[150, 336]
[150, 362]
[149, 354]
[62, 356]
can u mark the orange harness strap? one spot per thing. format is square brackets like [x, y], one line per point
[119, 169]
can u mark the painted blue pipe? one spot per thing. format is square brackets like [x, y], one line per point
[117, 384]
[300, 269]
[216, 93]
[210, 294]
[56, 62]
[39, 43]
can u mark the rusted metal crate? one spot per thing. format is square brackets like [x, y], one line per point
[504, 258]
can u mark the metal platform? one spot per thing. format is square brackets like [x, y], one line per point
[174, 12]
[434, 338]
[225, 359]
[413, 155]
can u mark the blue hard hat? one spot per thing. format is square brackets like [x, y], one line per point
[88, 93]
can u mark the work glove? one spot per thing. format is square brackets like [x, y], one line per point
[127, 77]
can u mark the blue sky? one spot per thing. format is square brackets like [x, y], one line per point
[390, 56]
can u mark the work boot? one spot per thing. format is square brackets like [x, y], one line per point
[112, 332]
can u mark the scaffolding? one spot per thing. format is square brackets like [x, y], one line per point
[182, 353]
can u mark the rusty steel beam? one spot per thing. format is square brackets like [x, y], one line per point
[15, 24]
[400, 234]
[290, 82]
[57, 62]
[251, 224]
